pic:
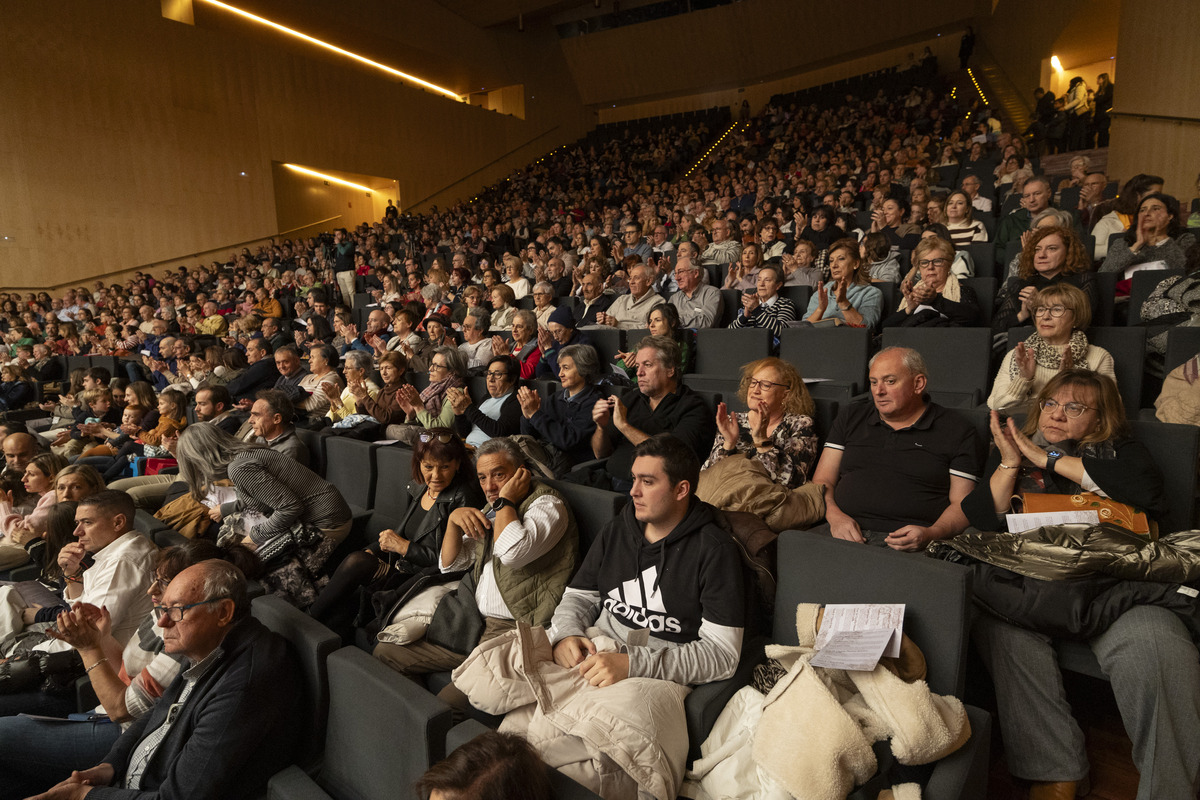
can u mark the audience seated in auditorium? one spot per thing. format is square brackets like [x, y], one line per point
[443, 480]
[933, 296]
[855, 301]
[1075, 438]
[232, 724]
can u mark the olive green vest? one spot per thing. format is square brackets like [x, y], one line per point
[532, 592]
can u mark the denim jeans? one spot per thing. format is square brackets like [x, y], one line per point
[35, 754]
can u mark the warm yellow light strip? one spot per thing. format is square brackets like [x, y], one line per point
[971, 74]
[334, 48]
[313, 173]
[715, 145]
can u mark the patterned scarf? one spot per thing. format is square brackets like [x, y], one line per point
[433, 394]
[1050, 356]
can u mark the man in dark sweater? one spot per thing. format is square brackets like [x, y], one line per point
[227, 723]
[659, 404]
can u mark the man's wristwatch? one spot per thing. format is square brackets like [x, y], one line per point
[501, 502]
[1052, 458]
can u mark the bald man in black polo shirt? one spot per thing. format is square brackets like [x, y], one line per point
[895, 471]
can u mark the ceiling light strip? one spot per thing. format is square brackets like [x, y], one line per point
[313, 173]
[334, 48]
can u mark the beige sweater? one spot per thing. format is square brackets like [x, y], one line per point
[1010, 396]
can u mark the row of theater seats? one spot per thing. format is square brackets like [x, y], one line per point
[372, 731]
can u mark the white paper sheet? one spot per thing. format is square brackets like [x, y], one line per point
[1027, 522]
[862, 617]
[857, 650]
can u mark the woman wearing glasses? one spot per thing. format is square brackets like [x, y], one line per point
[933, 294]
[443, 479]
[498, 414]
[429, 408]
[1075, 438]
[1062, 314]
[778, 429]
[564, 422]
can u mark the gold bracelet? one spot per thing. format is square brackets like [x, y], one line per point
[1002, 465]
[93, 666]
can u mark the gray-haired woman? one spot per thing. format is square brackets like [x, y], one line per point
[431, 407]
[293, 517]
[543, 302]
[565, 420]
[342, 404]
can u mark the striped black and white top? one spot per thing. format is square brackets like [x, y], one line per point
[286, 492]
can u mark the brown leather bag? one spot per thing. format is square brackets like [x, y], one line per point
[1109, 510]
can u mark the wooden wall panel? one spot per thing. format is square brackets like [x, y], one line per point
[944, 47]
[743, 43]
[1155, 74]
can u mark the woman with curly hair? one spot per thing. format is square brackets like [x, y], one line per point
[778, 430]
[1052, 255]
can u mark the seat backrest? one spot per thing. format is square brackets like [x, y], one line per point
[593, 509]
[1182, 344]
[731, 301]
[1175, 449]
[1106, 288]
[315, 442]
[607, 341]
[723, 351]
[837, 354]
[985, 290]
[350, 466]
[799, 295]
[77, 362]
[712, 399]
[312, 644]
[826, 411]
[1128, 349]
[393, 473]
[370, 703]
[1140, 288]
[958, 358]
[983, 255]
[816, 568]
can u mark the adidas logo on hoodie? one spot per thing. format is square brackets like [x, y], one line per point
[638, 603]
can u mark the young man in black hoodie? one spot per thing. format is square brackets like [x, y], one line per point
[662, 566]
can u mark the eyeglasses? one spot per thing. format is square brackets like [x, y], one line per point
[175, 613]
[933, 262]
[159, 581]
[1053, 311]
[765, 385]
[1073, 410]
[438, 367]
[444, 438]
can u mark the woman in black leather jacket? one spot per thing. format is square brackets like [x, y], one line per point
[443, 480]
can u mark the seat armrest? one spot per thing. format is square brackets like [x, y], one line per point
[294, 783]
[964, 773]
[705, 702]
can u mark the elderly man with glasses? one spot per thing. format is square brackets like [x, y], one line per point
[699, 304]
[227, 723]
